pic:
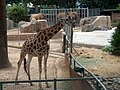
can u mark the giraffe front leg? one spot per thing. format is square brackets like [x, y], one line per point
[40, 71]
[45, 69]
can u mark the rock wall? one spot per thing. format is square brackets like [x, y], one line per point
[104, 21]
[95, 23]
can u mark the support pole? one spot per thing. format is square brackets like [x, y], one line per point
[71, 42]
[64, 42]
[1, 87]
[55, 83]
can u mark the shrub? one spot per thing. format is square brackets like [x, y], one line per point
[118, 7]
[107, 48]
[115, 41]
[16, 11]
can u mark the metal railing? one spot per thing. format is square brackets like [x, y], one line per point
[53, 13]
[99, 84]
[82, 13]
[54, 81]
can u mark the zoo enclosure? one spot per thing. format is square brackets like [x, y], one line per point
[52, 19]
[85, 73]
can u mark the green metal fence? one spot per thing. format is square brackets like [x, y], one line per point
[55, 84]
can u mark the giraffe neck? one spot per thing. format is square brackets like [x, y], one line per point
[48, 33]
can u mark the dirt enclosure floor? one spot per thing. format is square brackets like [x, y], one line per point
[97, 61]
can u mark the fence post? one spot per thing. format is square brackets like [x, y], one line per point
[64, 42]
[87, 12]
[71, 42]
[55, 83]
[74, 64]
[1, 87]
[56, 15]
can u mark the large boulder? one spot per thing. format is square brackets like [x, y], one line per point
[104, 22]
[87, 28]
[38, 16]
[88, 20]
[41, 24]
[26, 28]
[33, 26]
[97, 22]
[21, 23]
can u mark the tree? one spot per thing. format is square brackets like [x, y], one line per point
[4, 61]
[61, 3]
[16, 12]
[12, 1]
[118, 7]
[115, 41]
[103, 4]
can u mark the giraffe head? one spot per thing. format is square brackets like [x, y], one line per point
[66, 19]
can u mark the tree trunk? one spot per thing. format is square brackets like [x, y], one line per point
[4, 61]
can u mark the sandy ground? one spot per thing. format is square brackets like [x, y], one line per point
[99, 62]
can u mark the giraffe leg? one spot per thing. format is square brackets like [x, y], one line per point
[40, 70]
[45, 68]
[28, 67]
[19, 64]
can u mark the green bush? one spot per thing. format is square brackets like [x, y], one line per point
[115, 22]
[16, 11]
[115, 41]
[118, 7]
[107, 48]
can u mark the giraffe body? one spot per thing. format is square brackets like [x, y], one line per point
[37, 46]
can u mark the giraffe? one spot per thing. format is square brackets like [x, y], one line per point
[73, 16]
[38, 47]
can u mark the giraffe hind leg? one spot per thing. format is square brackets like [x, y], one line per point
[45, 69]
[40, 71]
[27, 67]
[19, 65]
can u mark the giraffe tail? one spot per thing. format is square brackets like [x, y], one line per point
[25, 65]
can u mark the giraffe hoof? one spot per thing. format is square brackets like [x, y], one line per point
[48, 86]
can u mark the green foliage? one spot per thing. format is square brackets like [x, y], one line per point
[107, 48]
[66, 4]
[115, 22]
[115, 41]
[103, 4]
[118, 7]
[12, 1]
[16, 11]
